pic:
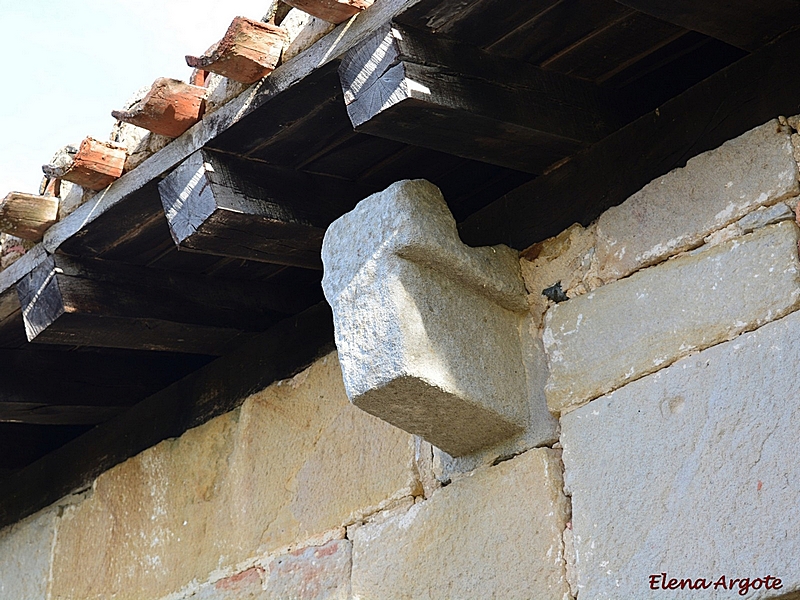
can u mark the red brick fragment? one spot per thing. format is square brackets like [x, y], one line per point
[249, 51]
[96, 164]
[333, 11]
[169, 108]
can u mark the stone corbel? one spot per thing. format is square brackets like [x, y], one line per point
[428, 329]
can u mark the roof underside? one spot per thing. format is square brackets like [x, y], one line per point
[674, 79]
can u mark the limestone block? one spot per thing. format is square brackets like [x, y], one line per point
[316, 573]
[303, 30]
[25, 551]
[691, 472]
[428, 329]
[675, 212]
[565, 259]
[295, 461]
[496, 534]
[766, 215]
[247, 585]
[221, 90]
[635, 326]
[542, 427]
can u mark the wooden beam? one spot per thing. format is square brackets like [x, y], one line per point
[52, 387]
[243, 209]
[99, 213]
[22, 443]
[284, 350]
[746, 24]
[27, 216]
[12, 329]
[423, 90]
[113, 305]
[727, 104]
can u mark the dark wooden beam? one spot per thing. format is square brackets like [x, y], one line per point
[424, 90]
[22, 443]
[746, 24]
[722, 107]
[227, 206]
[50, 387]
[105, 304]
[221, 386]
[12, 329]
[99, 216]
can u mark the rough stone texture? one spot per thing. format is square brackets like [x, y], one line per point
[542, 427]
[691, 471]
[316, 573]
[627, 329]
[766, 215]
[25, 552]
[296, 460]
[221, 90]
[247, 585]
[565, 258]
[12, 249]
[496, 534]
[303, 30]
[428, 329]
[675, 212]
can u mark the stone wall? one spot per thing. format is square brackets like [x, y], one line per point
[664, 347]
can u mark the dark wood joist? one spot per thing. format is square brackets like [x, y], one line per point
[49, 387]
[232, 207]
[746, 24]
[417, 88]
[217, 388]
[723, 106]
[91, 302]
[22, 443]
[12, 329]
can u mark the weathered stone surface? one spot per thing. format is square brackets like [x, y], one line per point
[542, 427]
[496, 534]
[766, 215]
[25, 552]
[691, 471]
[316, 573]
[565, 259]
[247, 585]
[675, 212]
[627, 329]
[295, 461]
[428, 329]
[303, 30]
[221, 90]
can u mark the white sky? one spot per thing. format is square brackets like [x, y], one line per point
[68, 63]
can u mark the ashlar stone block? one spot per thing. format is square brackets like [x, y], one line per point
[428, 329]
[26, 549]
[495, 534]
[293, 463]
[691, 472]
[624, 330]
[675, 212]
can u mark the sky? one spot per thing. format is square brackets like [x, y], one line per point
[68, 63]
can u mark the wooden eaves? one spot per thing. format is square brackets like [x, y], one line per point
[622, 93]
